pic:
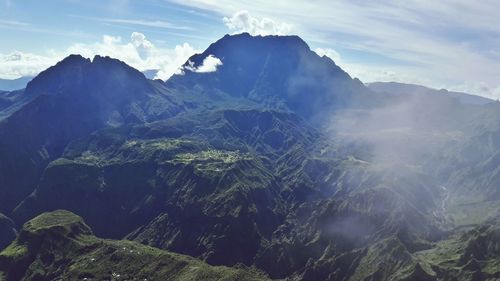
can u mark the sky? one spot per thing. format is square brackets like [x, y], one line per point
[441, 44]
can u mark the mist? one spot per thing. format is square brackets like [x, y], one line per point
[404, 149]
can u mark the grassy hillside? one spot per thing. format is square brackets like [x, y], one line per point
[60, 246]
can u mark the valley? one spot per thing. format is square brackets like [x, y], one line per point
[278, 165]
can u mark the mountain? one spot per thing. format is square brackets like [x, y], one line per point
[65, 102]
[273, 158]
[400, 88]
[467, 164]
[59, 245]
[472, 255]
[12, 101]
[280, 72]
[14, 84]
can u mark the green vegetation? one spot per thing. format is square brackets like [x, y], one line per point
[227, 157]
[211, 160]
[53, 220]
[464, 255]
[471, 212]
[319, 179]
[15, 251]
[58, 245]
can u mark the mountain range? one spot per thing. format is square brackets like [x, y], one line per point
[275, 165]
[401, 88]
[14, 84]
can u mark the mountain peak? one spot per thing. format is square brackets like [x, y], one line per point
[60, 221]
[74, 58]
[245, 42]
[50, 80]
[75, 69]
[279, 71]
[290, 39]
[109, 62]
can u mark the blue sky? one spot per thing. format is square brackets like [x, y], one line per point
[443, 44]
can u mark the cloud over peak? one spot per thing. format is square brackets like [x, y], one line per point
[209, 64]
[139, 52]
[242, 21]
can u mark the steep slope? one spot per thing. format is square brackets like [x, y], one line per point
[68, 101]
[471, 170]
[236, 186]
[7, 231]
[277, 159]
[60, 246]
[201, 172]
[280, 72]
[10, 102]
[469, 255]
[460, 139]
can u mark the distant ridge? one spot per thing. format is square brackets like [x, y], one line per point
[14, 84]
[274, 159]
[402, 88]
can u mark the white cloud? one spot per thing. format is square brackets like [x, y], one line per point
[139, 52]
[142, 45]
[172, 64]
[13, 23]
[139, 22]
[209, 64]
[373, 73]
[415, 39]
[479, 88]
[242, 21]
[17, 64]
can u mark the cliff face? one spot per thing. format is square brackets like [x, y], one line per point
[276, 159]
[7, 231]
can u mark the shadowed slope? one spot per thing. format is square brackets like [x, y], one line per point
[59, 245]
